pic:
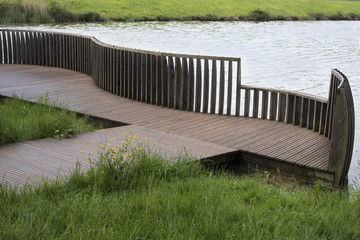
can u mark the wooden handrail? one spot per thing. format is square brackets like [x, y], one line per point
[340, 126]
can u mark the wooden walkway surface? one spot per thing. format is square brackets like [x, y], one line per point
[210, 135]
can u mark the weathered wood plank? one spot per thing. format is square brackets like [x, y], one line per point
[238, 84]
[281, 107]
[229, 93]
[205, 94]
[198, 86]
[191, 85]
[222, 87]
[177, 85]
[170, 82]
[184, 85]
[213, 87]
[247, 103]
[264, 104]
[255, 112]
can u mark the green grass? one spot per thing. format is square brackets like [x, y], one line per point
[145, 196]
[139, 10]
[189, 9]
[22, 121]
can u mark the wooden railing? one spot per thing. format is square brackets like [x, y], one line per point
[340, 126]
[187, 82]
[283, 106]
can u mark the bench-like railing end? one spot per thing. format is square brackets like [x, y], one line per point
[340, 126]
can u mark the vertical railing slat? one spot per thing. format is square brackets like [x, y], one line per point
[310, 115]
[5, 46]
[164, 81]
[304, 112]
[170, 82]
[222, 87]
[273, 105]
[198, 86]
[184, 85]
[15, 47]
[178, 83]
[213, 87]
[229, 94]
[205, 94]
[281, 107]
[297, 110]
[238, 85]
[317, 114]
[153, 77]
[10, 48]
[264, 104]
[1, 47]
[191, 84]
[158, 82]
[255, 104]
[247, 103]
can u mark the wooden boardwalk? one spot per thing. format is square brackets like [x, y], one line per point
[270, 144]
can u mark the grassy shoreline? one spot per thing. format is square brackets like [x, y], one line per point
[47, 11]
[146, 196]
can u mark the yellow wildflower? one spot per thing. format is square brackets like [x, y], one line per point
[110, 139]
[80, 151]
[115, 167]
[88, 161]
[122, 155]
[123, 161]
[90, 144]
[102, 171]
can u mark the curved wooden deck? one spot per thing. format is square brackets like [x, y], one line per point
[302, 134]
[270, 144]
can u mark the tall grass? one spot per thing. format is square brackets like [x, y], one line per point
[165, 10]
[21, 121]
[146, 196]
[40, 11]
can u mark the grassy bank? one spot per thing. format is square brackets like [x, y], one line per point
[165, 10]
[22, 121]
[133, 193]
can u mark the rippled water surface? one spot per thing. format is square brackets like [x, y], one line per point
[291, 55]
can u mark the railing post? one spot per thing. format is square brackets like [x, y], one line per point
[342, 129]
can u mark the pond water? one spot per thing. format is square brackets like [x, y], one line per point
[296, 56]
